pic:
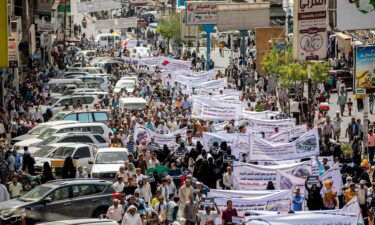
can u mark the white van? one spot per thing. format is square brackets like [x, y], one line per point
[106, 40]
[102, 80]
[38, 129]
[59, 103]
[132, 103]
[93, 128]
[56, 82]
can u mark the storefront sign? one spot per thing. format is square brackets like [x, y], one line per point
[201, 13]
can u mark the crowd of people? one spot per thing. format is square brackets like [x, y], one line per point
[177, 195]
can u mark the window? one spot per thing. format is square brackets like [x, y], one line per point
[103, 38]
[81, 190]
[76, 99]
[71, 117]
[101, 116]
[85, 139]
[60, 194]
[100, 139]
[65, 101]
[83, 152]
[98, 189]
[88, 100]
[85, 117]
[97, 130]
[62, 152]
[69, 139]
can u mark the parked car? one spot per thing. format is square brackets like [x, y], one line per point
[102, 80]
[121, 84]
[35, 144]
[83, 153]
[345, 76]
[38, 129]
[59, 103]
[61, 199]
[82, 222]
[93, 128]
[91, 115]
[132, 103]
[107, 162]
[90, 70]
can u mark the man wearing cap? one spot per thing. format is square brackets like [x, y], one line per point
[207, 216]
[115, 212]
[131, 217]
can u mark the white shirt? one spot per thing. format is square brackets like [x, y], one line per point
[128, 219]
[361, 195]
[119, 187]
[204, 217]
[4, 194]
[228, 180]
[115, 213]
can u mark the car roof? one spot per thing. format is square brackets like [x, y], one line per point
[133, 100]
[80, 222]
[112, 150]
[76, 145]
[62, 182]
[59, 122]
[79, 125]
[85, 110]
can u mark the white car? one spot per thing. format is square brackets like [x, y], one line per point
[107, 162]
[59, 103]
[101, 79]
[93, 128]
[38, 129]
[128, 84]
[83, 153]
[35, 144]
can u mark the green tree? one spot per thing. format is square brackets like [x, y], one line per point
[275, 59]
[319, 72]
[170, 28]
[292, 74]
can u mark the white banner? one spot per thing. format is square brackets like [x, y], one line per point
[116, 23]
[285, 181]
[142, 133]
[254, 177]
[254, 200]
[362, 15]
[170, 64]
[304, 147]
[98, 5]
[234, 140]
[214, 109]
[325, 217]
[259, 115]
[268, 125]
[333, 175]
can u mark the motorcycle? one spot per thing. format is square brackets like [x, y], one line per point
[28, 181]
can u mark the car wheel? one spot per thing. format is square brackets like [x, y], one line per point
[100, 212]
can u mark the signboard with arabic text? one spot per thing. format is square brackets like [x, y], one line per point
[310, 40]
[201, 13]
[365, 68]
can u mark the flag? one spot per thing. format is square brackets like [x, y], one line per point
[165, 62]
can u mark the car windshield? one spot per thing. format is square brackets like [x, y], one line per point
[38, 129]
[58, 116]
[52, 101]
[111, 157]
[35, 194]
[43, 152]
[47, 133]
[125, 85]
[58, 89]
[62, 153]
[47, 141]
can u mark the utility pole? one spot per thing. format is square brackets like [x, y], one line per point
[64, 21]
[365, 114]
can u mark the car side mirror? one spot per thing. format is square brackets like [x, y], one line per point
[47, 200]
[91, 162]
[76, 157]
